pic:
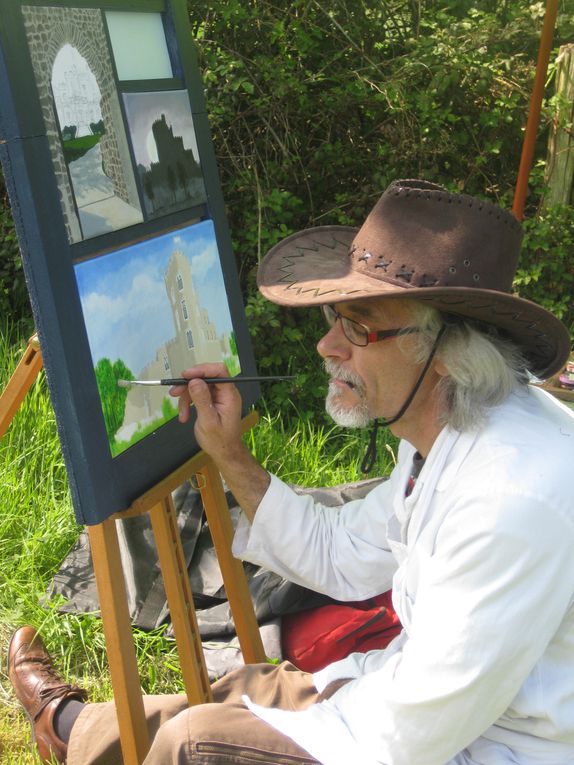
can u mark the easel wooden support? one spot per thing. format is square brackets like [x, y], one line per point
[111, 585]
[20, 383]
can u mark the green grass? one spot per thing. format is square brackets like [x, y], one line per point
[37, 529]
[77, 147]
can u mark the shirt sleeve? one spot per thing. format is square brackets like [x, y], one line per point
[341, 552]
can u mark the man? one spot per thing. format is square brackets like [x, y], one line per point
[474, 528]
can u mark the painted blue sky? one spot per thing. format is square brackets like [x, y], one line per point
[126, 309]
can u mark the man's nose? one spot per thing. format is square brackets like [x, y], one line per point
[334, 343]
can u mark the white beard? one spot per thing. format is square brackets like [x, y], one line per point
[357, 416]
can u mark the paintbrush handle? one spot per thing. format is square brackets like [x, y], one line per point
[245, 379]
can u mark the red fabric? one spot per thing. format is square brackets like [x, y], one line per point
[312, 639]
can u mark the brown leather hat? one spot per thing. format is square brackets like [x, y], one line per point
[452, 251]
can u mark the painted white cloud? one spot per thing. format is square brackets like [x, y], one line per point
[128, 325]
[202, 263]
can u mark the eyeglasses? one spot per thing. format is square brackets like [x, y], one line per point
[357, 333]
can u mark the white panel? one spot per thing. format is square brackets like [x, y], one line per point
[139, 45]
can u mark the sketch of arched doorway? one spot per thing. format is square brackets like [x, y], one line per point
[51, 34]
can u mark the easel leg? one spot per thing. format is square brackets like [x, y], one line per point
[221, 528]
[20, 383]
[119, 641]
[180, 601]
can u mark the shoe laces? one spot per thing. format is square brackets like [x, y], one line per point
[51, 684]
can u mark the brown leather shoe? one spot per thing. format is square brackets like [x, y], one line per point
[40, 690]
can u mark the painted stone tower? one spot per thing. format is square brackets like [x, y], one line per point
[195, 341]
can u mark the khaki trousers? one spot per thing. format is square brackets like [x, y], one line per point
[207, 734]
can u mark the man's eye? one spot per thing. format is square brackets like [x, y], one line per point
[355, 331]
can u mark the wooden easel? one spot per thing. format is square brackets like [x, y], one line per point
[111, 584]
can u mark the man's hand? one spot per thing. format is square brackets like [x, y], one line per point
[218, 432]
[218, 423]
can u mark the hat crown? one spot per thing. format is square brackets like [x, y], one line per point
[420, 235]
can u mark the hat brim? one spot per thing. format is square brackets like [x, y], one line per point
[313, 267]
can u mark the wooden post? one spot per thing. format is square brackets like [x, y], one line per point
[535, 107]
[180, 600]
[238, 595]
[560, 158]
[119, 641]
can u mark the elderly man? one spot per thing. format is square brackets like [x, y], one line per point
[473, 530]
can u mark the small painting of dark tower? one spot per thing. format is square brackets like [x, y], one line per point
[165, 148]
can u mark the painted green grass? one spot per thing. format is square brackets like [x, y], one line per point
[76, 148]
[37, 529]
[170, 411]
[233, 365]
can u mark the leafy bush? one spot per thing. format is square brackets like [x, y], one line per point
[545, 274]
[13, 294]
[285, 344]
[315, 106]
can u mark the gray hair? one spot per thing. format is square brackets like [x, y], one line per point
[483, 366]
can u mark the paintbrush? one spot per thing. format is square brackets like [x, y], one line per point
[215, 380]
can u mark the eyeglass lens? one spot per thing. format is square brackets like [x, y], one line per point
[353, 331]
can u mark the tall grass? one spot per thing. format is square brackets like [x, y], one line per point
[37, 529]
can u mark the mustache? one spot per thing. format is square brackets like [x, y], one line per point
[336, 370]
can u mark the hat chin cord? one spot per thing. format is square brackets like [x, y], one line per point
[371, 453]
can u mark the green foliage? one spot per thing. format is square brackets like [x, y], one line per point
[546, 272]
[168, 409]
[69, 132]
[233, 365]
[315, 107]
[142, 431]
[113, 397]
[75, 148]
[285, 343]
[98, 128]
[13, 294]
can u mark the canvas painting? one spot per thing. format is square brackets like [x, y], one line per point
[139, 45]
[165, 150]
[84, 123]
[152, 310]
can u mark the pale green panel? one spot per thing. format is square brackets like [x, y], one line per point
[139, 45]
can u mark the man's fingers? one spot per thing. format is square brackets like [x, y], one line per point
[206, 370]
[183, 405]
[201, 396]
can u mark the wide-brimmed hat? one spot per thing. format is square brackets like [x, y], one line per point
[454, 252]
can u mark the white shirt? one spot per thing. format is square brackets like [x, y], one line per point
[481, 561]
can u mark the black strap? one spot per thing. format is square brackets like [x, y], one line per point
[371, 453]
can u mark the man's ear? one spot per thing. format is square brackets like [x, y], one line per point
[440, 367]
